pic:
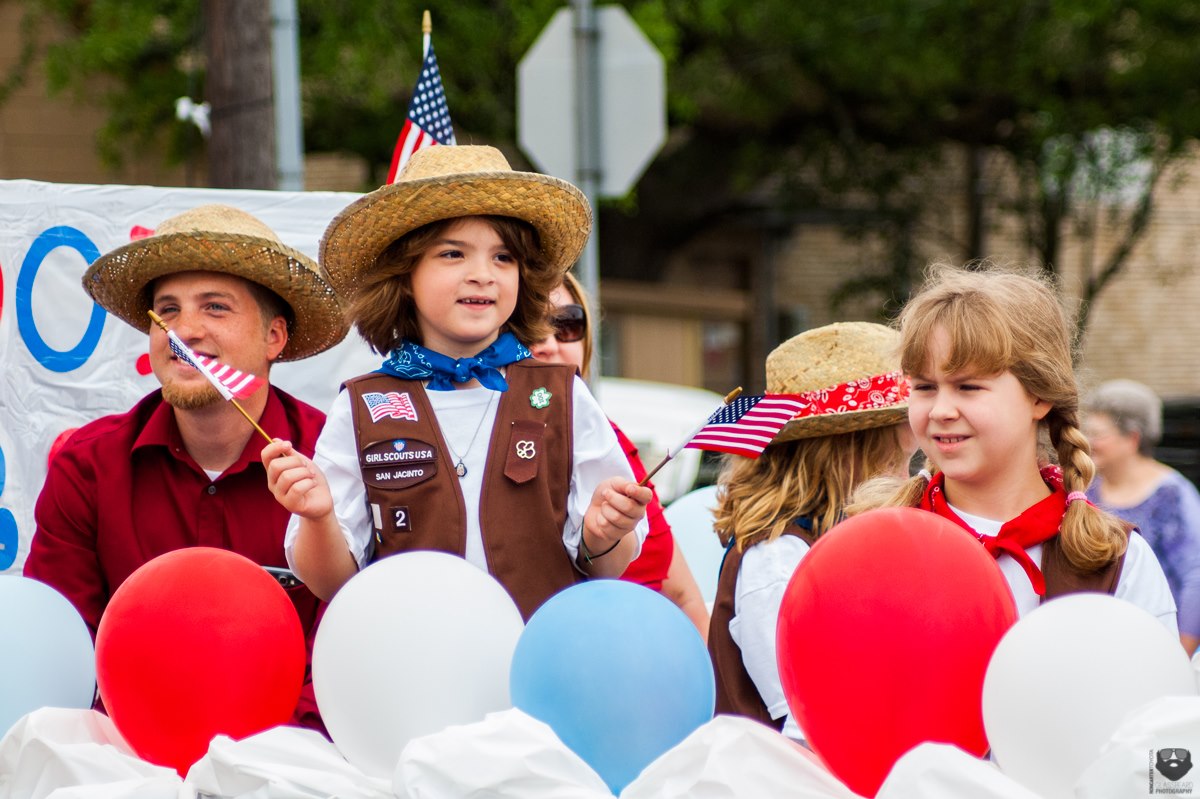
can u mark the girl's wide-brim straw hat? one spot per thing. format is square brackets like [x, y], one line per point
[218, 238]
[446, 182]
[835, 356]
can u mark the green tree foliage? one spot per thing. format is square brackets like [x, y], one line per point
[840, 109]
[848, 105]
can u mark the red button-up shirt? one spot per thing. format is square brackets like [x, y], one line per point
[123, 490]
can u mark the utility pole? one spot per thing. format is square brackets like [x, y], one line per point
[241, 151]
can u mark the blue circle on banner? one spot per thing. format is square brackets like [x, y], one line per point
[8, 539]
[55, 360]
[8, 526]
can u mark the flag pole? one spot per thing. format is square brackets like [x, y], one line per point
[212, 379]
[426, 32]
[673, 451]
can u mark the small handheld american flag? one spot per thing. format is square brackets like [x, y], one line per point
[742, 425]
[428, 121]
[231, 383]
[747, 425]
[227, 380]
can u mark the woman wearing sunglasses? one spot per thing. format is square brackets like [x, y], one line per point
[661, 565]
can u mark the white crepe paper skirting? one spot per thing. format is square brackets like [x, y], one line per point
[507, 754]
[510, 754]
[732, 756]
[1125, 767]
[942, 771]
[281, 763]
[55, 753]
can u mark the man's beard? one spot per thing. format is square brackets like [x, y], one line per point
[190, 398]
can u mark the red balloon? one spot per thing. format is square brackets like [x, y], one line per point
[195, 643]
[885, 633]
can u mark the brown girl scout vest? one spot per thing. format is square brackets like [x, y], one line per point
[736, 692]
[1062, 578]
[413, 493]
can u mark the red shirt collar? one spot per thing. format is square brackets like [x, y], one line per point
[161, 430]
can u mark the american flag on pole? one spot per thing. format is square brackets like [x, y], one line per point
[393, 405]
[227, 380]
[428, 120]
[747, 424]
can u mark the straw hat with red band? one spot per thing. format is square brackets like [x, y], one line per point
[446, 182]
[848, 373]
[218, 238]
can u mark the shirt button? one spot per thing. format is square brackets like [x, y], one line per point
[212, 489]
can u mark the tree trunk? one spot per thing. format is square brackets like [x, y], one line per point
[241, 151]
[976, 197]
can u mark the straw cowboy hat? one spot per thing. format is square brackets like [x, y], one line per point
[449, 181]
[850, 372]
[217, 238]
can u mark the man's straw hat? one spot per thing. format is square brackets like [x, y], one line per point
[217, 238]
[449, 181]
[834, 365]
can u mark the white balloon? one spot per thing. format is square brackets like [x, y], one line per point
[412, 644]
[46, 653]
[691, 521]
[1063, 678]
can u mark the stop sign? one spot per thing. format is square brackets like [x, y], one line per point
[632, 100]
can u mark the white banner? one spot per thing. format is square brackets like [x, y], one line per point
[66, 361]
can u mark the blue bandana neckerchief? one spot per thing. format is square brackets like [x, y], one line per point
[413, 362]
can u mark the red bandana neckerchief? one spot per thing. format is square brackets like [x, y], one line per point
[1036, 524]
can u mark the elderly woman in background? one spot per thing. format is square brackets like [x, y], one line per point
[1124, 423]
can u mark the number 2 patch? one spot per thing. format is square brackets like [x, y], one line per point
[401, 519]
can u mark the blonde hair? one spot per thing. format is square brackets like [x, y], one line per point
[757, 499]
[1000, 320]
[383, 308]
[575, 289]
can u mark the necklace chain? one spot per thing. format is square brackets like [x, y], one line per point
[460, 468]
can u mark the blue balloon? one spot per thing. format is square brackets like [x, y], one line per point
[46, 653]
[617, 671]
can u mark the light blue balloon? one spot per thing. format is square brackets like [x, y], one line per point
[617, 671]
[46, 654]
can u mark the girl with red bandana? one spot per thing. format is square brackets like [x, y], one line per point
[988, 355]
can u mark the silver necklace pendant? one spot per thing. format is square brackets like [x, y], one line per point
[460, 469]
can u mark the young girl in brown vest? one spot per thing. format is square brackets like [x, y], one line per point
[460, 442]
[771, 509]
[988, 355]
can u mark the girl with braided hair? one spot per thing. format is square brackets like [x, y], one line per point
[988, 355]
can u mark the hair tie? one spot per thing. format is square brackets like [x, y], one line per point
[1076, 496]
[925, 475]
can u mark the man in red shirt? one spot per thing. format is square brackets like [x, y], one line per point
[182, 467]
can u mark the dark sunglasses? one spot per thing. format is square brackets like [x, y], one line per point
[569, 323]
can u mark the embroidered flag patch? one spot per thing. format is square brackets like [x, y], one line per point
[392, 405]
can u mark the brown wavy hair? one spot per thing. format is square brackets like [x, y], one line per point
[1004, 320]
[383, 309]
[758, 498]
